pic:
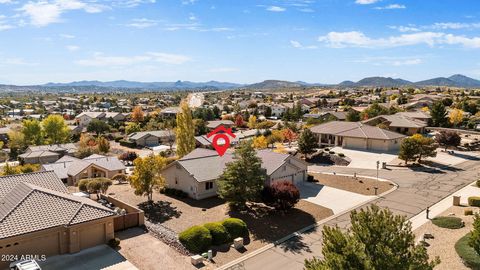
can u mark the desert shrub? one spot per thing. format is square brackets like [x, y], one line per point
[219, 234]
[114, 242]
[118, 138]
[474, 201]
[235, 227]
[310, 178]
[281, 195]
[127, 143]
[120, 177]
[468, 212]
[448, 222]
[174, 192]
[196, 239]
[331, 152]
[341, 154]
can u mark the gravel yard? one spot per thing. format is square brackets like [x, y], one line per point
[443, 245]
[364, 186]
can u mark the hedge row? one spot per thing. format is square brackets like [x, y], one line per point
[174, 192]
[474, 201]
[199, 238]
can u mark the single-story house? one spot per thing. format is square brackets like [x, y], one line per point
[39, 216]
[211, 125]
[85, 118]
[190, 175]
[152, 138]
[398, 123]
[44, 154]
[170, 112]
[357, 135]
[71, 170]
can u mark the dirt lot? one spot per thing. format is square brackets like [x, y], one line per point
[443, 245]
[364, 186]
[265, 225]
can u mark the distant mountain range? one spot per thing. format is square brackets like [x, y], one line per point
[457, 80]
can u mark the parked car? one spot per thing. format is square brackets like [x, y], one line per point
[25, 265]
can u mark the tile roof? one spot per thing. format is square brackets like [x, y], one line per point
[71, 166]
[46, 179]
[66, 147]
[30, 208]
[356, 130]
[37, 154]
[216, 123]
[199, 159]
[156, 133]
[398, 120]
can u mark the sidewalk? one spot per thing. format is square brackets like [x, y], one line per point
[444, 204]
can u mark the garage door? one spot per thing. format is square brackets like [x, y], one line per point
[48, 245]
[91, 236]
[377, 145]
[151, 141]
[354, 143]
[299, 177]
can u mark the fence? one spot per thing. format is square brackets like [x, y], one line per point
[134, 217]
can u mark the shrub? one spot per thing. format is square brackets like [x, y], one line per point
[341, 154]
[448, 222]
[235, 227]
[469, 257]
[120, 177]
[127, 143]
[114, 242]
[196, 239]
[474, 240]
[468, 212]
[478, 183]
[474, 201]
[310, 178]
[118, 138]
[219, 234]
[281, 195]
[331, 152]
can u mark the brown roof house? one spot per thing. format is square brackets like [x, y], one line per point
[356, 135]
[399, 123]
[71, 170]
[43, 154]
[152, 138]
[39, 217]
[197, 172]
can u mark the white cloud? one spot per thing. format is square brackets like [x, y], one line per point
[142, 23]
[6, 1]
[409, 28]
[192, 17]
[390, 61]
[67, 36]
[195, 26]
[408, 62]
[16, 62]
[392, 6]
[43, 13]
[73, 48]
[359, 39]
[306, 10]
[452, 25]
[366, 2]
[101, 60]
[131, 3]
[298, 45]
[276, 9]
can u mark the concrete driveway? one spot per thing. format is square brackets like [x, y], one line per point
[363, 159]
[336, 199]
[454, 159]
[98, 257]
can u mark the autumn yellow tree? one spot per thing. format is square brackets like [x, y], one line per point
[185, 132]
[137, 114]
[252, 121]
[280, 148]
[147, 175]
[260, 142]
[456, 117]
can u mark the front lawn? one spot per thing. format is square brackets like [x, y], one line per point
[467, 253]
[448, 222]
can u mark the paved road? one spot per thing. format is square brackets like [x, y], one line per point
[417, 190]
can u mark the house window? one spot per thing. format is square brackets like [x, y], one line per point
[208, 185]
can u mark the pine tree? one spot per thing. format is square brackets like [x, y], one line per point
[307, 142]
[244, 178]
[377, 239]
[185, 134]
[409, 150]
[439, 115]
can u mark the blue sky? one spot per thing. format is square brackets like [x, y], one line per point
[243, 41]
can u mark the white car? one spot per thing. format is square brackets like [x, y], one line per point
[25, 265]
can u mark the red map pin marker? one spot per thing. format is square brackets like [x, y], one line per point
[221, 133]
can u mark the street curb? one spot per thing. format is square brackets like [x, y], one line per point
[321, 222]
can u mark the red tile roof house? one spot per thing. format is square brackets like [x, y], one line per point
[39, 217]
[197, 172]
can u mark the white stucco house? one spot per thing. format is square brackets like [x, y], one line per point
[197, 172]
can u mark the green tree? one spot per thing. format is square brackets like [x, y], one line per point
[439, 115]
[244, 178]
[32, 132]
[448, 138]
[307, 142]
[427, 146]
[98, 126]
[147, 175]
[55, 129]
[377, 239]
[353, 116]
[185, 133]
[474, 240]
[132, 127]
[409, 150]
[374, 110]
